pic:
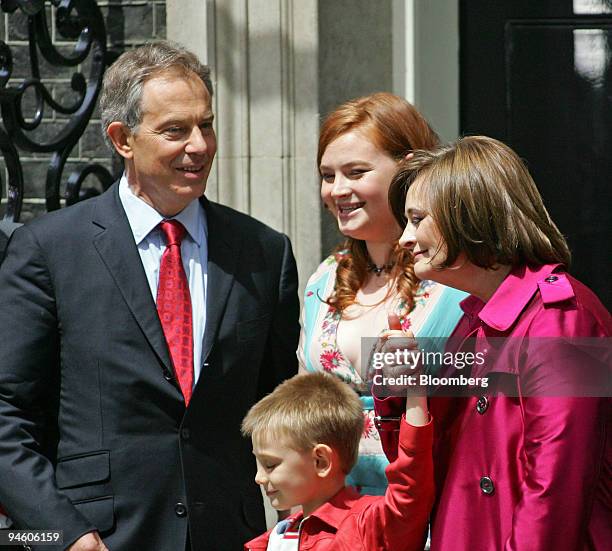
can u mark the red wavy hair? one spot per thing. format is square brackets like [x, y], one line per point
[394, 126]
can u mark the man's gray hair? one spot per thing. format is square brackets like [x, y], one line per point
[121, 96]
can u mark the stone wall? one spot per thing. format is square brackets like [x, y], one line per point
[128, 24]
[355, 59]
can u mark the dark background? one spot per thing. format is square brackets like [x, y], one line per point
[537, 75]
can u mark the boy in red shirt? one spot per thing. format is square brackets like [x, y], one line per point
[305, 439]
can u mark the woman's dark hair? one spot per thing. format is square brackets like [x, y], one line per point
[484, 202]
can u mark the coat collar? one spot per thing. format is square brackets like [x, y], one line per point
[115, 245]
[143, 218]
[334, 511]
[511, 297]
[331, 513]
[223, 252]
[122, 259]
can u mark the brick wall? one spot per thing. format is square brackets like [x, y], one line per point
[128, 24]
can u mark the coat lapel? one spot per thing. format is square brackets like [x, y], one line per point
[115, 244]
[222, 257]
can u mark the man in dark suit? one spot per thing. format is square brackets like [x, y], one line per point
[137, 329]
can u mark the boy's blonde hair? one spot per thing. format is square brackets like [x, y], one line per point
[310, 409]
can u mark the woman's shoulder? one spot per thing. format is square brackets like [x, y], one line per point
[430, 291]
[565, 306]
[426, 287]
[436, 310]
[320, 283]
[545, 301]
[328, 266]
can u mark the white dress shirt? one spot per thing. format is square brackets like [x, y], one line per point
[149, 239]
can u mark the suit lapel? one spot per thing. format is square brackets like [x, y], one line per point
[222, 257]
[115, 244]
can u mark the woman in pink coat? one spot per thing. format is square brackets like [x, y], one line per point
[523, 457]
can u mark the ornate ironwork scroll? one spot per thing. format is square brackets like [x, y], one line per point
[75, 20]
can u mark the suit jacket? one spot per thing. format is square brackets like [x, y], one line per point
[6, 229]
[94, 433]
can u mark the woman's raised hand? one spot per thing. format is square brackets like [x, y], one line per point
[392, 362]
[395, 370]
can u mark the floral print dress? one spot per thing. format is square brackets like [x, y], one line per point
[318, 351]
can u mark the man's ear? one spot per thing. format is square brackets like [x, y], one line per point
[119, 136]
[324, 459]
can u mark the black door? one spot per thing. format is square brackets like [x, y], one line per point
[537, 75]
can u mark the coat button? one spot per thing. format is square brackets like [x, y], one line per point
[180, 510]
[482, 405]
[486, 485]
[551, 279]
[167, 375]
[185, 433]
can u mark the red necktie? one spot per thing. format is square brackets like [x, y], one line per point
[174, 306]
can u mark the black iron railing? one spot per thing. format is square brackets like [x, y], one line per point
[81, 22]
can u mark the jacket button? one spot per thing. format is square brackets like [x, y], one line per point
[167, 375]
[486, 485]
[551, 279]
[180, 510]
[482, 405]
[185, 433]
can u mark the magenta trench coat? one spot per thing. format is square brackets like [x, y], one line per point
[521, 471]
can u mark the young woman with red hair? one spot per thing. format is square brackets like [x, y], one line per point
[369, 276]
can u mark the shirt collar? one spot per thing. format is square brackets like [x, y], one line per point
[335, 510]
[332, 513]
[143, 218]
[502, 310]
[192, 217]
